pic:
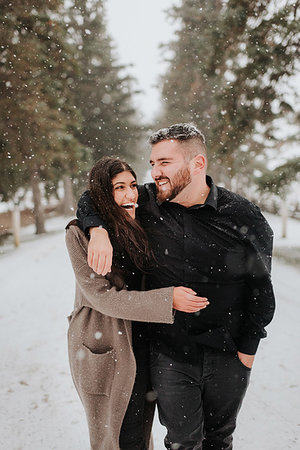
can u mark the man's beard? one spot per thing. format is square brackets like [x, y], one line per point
[181, 179]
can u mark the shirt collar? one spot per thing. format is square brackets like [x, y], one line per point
[211, 199]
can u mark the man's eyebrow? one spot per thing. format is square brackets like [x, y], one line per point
[162, 159]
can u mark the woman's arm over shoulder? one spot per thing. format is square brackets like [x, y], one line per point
[99, 294]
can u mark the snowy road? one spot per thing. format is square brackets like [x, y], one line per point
[40, 409]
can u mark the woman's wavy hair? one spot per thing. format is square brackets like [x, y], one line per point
[124, 231]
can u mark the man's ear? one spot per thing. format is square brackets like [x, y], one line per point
[199, 163]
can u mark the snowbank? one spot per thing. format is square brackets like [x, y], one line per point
[40, 408]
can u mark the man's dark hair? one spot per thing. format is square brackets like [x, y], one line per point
[179, 131]
[192, 139]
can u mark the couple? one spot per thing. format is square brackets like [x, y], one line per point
[213, 247]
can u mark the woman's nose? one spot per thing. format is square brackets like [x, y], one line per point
[130, 195]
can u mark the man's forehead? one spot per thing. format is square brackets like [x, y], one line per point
[166, 149]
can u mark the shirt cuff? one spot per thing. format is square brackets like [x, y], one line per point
[248, 345]
[91, 221]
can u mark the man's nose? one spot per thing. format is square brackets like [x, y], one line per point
[155, 172]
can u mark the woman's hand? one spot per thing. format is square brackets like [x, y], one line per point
[100, 251]
[185, 300]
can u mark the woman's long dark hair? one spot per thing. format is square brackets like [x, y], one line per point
[124, 230]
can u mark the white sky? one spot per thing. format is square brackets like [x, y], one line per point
[138, 27]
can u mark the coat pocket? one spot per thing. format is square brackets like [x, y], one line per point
[95, 370]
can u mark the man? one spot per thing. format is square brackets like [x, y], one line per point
[218, 244]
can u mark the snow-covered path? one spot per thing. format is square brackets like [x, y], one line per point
[39, 406]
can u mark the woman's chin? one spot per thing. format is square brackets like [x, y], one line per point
[131, 213]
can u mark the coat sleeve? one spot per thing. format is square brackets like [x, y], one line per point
[87, 214]
[97, 292]
[259, 301]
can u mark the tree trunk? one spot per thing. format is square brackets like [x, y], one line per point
[68, 205]
[16, 222]
[38, 209]
[284, 217]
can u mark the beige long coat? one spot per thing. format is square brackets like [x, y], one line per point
[99, 342]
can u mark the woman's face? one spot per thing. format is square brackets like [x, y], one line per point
[125, 192]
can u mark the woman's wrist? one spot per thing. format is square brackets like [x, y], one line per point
[97, 231]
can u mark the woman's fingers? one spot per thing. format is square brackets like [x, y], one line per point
[197, 301]
[107, 264]
[100, 263]
[196, 308]
[195, 298]
[98, 266]
[185, 300]
[188, 290]
[90, 258]
[100, 251]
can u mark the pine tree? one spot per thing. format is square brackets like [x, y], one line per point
[103, 90]
[37, 118]
[260, 55]
[228, 66]
[278, 182]
[189, 84]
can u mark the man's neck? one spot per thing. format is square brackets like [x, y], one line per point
[194, 194]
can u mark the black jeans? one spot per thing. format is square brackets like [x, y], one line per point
[132, 430]
[199, 403]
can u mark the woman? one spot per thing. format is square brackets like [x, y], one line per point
[101, 354]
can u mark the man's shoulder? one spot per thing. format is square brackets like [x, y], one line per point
[242, 211]
[147, 187]
[85, 196]
[239, 204]
[147, 192]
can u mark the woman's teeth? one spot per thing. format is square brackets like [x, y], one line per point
[128, 205]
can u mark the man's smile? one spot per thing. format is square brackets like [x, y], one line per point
[161, 182]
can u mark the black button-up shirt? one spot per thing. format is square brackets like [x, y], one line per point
[222, 250]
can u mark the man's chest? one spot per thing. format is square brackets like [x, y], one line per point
[194, 242]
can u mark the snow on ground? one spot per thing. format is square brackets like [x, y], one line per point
[40, 408]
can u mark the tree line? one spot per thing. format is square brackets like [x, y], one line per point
[66, 101]
[231, 66]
